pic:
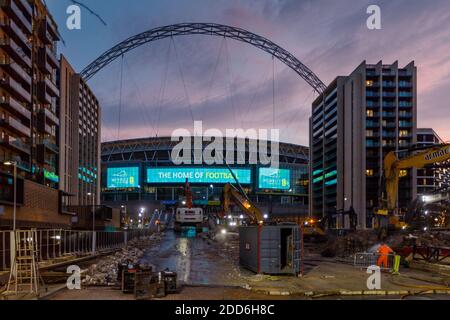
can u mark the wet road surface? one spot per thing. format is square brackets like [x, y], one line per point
[196, 260]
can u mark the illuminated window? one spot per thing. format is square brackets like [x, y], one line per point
[403, 173]
[369, 133]
[403, 133]
[370, 113]
[369, 83]
[369, 172]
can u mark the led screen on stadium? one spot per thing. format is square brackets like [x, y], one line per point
[277, 179]
[197, 175]
[122, 178]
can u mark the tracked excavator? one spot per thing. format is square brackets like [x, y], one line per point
[387, 216]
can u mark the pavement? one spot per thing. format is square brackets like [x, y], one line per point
[209, 270]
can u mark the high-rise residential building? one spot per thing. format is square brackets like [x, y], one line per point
[45, 113]
[29, 115]
[16, 84]
[80, 143]
[354, 124]
[432, 177]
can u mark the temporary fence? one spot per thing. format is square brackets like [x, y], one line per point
[365, 260]
[57, 243]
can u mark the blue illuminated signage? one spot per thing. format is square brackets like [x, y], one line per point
[121, 178]
[277, 179]
[197, 175]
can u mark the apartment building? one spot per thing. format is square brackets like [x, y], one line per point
[430, 178]
[354, 124]
[29, 115]
[80, 143]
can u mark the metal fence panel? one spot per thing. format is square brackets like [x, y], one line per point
[365, 260]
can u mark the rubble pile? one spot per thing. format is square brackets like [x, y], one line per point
[427, 239]
[105, 271]
[345, 246]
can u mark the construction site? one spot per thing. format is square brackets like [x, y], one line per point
[205, 161]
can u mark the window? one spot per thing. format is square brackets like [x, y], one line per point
[369, 113]
[369, 172]
[404, 133]
[403, 173]
[369, 83]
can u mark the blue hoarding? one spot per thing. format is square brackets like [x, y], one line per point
[121, 178]
[277, 179]
[197, 175]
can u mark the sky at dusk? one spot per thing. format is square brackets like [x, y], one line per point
[229, 84]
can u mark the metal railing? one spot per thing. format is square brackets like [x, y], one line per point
[58, 243]
[365, 260]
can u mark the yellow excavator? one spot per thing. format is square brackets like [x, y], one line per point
[232, 194]
[387, 215]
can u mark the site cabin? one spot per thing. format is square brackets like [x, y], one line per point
[189, 217]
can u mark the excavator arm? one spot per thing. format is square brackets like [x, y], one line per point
[393, 166]
[231, 194]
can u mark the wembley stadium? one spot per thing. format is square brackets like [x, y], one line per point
[139, 173]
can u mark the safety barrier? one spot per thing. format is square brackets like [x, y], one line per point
[57, 243]
[365, 260]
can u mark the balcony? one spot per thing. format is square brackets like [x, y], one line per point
[51, 87]
[15, 13]
[15, 107]
[16, 71]
[16, 126]
[51, 57]
[43, 64]
[42, 94]
[42, 126]
[48, 115]
[19, 91]
[49, 145]
[14, 31]
[15, 51]
[16, 144]
[51, 28]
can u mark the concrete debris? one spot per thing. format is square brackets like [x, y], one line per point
[105, 271]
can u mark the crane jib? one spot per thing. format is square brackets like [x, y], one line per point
[437, 154]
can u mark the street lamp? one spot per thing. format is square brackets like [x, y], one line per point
[90, 194]
[14, 164]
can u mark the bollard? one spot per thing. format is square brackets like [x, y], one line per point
[395, 269]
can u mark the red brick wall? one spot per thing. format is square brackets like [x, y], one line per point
[41, 208]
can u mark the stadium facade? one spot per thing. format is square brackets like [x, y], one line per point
[139, 173]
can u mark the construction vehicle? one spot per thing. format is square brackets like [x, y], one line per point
[233, 194]
[187, 215]
[387, 217]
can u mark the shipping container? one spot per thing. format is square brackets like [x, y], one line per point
[271, 249]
